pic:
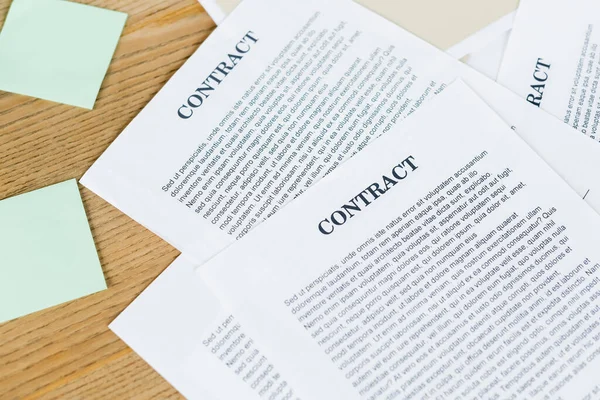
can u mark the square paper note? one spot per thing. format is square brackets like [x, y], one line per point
[47, 254]
[57, 50]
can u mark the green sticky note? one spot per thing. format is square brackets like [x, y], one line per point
[58, 50]
[47, 253]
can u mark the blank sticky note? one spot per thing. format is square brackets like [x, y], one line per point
[58, 50]
[47, 254]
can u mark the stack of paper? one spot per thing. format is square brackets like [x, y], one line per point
[441, 243]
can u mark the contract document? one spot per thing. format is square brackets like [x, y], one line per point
[420, 271]
[552, 60]
[279, 96]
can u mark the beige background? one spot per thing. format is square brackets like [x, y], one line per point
[442, 23]
[227, 5]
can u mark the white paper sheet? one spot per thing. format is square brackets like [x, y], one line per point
[552, 60]
[417, 271]
[171, 326]
[202, 180]
[488, 60]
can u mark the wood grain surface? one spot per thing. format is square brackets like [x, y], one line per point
[67, 352]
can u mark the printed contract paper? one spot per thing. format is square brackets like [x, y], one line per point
[183, 331]
[417, 271]
[553, 60]
[268, 106]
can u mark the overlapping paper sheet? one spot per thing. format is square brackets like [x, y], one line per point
[552, 60]
[488, 59]
[416, 272]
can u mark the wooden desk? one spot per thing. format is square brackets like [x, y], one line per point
[67, 351]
